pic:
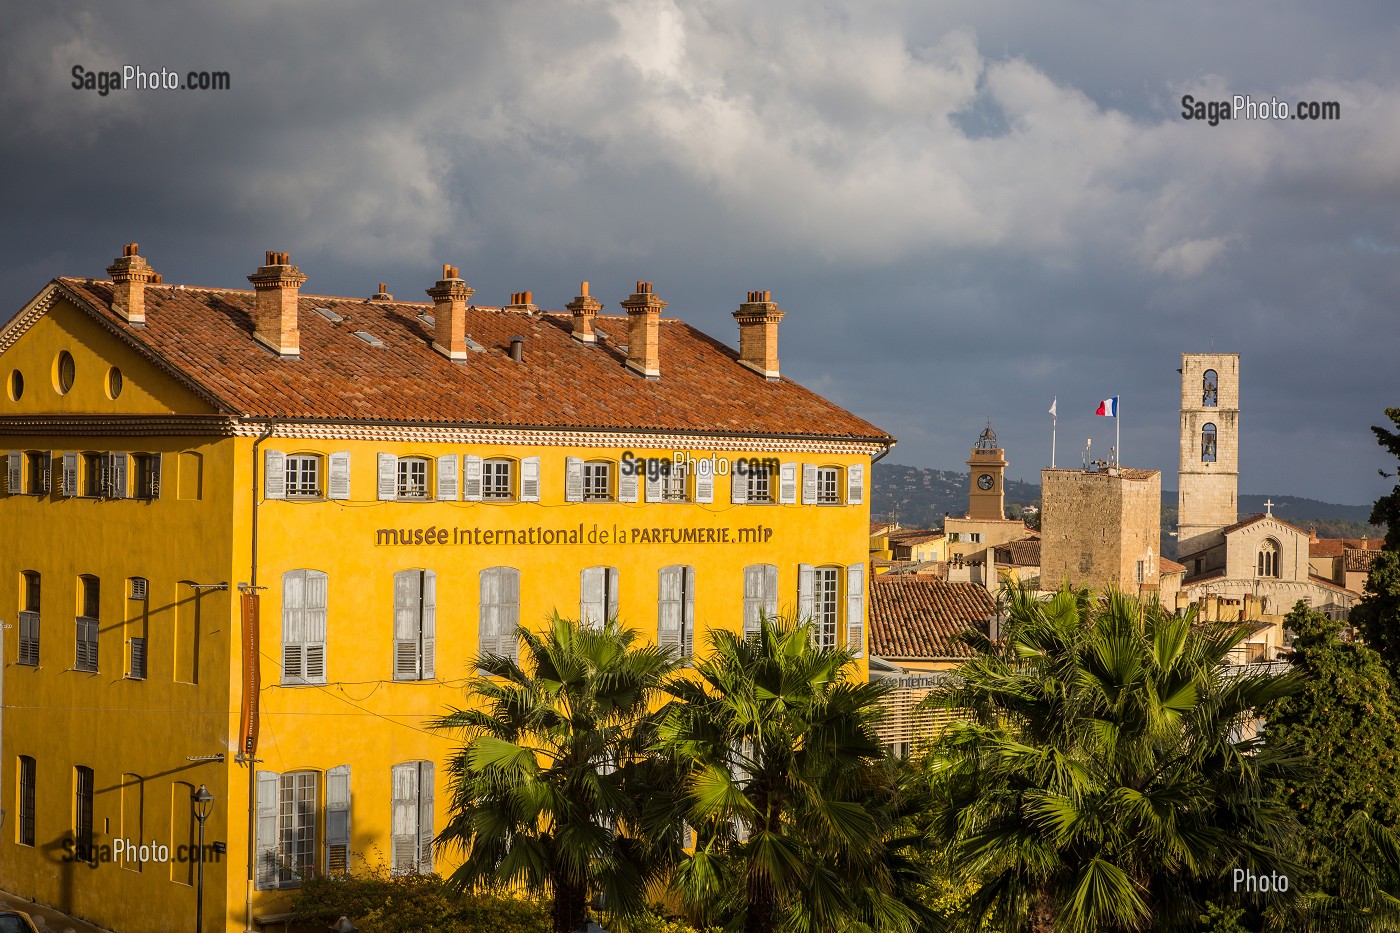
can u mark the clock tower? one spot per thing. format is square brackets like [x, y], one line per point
[987, 498]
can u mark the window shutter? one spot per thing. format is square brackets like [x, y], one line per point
[530, 479]
[407, 603]
[85, 655]
[425, 817]
[121, 464]
[855, 609]
[855, 484]
[267, 870]
[68, 482]
[138, 658]
[489, 622]
[806, 597]
[15, 480]
[809, 483]
[739, 483]
[293, 611]
[429, 625]
[687, 836]
[592, 588]
[315, 626]
[403, 821]
[688, 614]
[274, 474]
[153, 491]
[338, 481]
[770, 590]
[388, 477]
[627, 480]
[670, 613]
[755, 581]
[447, 478]
[787, 485]
[338, 820]
[573, 480]
[29, 638]
[508, 619]
[612, 577]
[471, 483]
[705, 486]
[653, 473]
[46, 472]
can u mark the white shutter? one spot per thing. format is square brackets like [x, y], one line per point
[592, 609]
[489, 623]
[408, 597]
[855, 609]
[156, 461]
[447, 478]
[770, 590]
[15, 482]
[809, 483]
[755, 581]
[429, 625]
[117, 475]
[425, 817]
[315, 626]
[670, 611]
[739, 483]
[529, 479]
[403, 820]
[388, 477]
[855, 484]
[471, 481]
[267, 870]
[293, 637]
[627, 480]
[338, 483]
[688, 614]
[573, 480]
[654, 483]
[612, 578]
[274, 474]
[705, 485]
[338, 820]
[806, 597]
[508, 618]
[787, 486]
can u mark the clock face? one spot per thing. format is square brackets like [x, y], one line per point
[985, 481]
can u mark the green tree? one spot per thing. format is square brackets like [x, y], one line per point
[1377, 615]
[550, 788]
[1387, 508]
[784, 780]
[1105, 777]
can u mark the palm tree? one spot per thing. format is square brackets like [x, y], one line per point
[1105, 777]
[549, 788]
[783, 779]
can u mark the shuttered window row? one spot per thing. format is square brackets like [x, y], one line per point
[95, 475]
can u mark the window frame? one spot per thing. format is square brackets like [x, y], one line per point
[304, 853]
[414, 809]
[294, 479]
[30, 617]
[490, 491]
[611, 584]
[501, 615]
[27, 782]
[93, 473]
[1210, 389]
[404, 491]
[86, 656]
[415, 635]
[760, 596]
[826, 631]
[591, 479]
[84, 792]
[311, 618]
[38, 472]
[675, 597]
[1268, 560]
[1211, 454]
[759, 477]
[145, 474]
[828, 486]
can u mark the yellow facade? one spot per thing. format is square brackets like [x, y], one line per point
[151, 741]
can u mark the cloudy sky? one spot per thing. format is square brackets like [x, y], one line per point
[966, 208]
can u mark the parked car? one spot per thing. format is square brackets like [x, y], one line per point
[16, 921]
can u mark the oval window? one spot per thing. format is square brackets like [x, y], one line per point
[114, 382]
[64, 372]
[16, 385]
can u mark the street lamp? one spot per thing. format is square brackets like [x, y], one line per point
[203, 803]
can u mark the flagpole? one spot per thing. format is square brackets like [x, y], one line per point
[1054, 423]
[1117, 433]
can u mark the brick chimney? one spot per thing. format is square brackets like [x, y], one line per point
[758, 334]
[644, 331]
[450, 296]
[275, 304]
[382, 294]
[130, 276]
[584, 308]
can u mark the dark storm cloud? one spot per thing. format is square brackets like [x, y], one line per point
[965, 211]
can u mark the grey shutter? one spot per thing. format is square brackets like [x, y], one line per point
[471, 482]
[855, 609]
[338, 820]
[15, 481]
[408, 598]
[687, 836]
[592, 596]
[46, 472]
[338, 480]
[447, 478]
[654, 484]
[388, 477]
[530, 479]
[756, 597]
[612, 578]
[274, 474]
[429, 625]
[85, 653]
[705, 485]
[806, 597]
[770, 590]
[293, 639]
[403, 818]
[787, 486]
[425, 817]
[809, 483]
[688, 614]
[489, 620]
[29, 638]
[739, 482]
[315, 626]
[153, 490]
[670, 609]
[117, 475]
[508, 616]
[69, 483]
[855, 484]
[267, 870]
[138, 658]
[627, 480]
[573, 480]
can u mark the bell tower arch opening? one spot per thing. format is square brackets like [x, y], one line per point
[1208, 477]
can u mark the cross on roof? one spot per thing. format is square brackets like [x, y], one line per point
[1269, 507]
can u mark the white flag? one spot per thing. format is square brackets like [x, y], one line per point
[1052, 406]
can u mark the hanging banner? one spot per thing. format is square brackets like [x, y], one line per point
[252, 680]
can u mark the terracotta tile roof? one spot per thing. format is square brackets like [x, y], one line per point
[1360, 560]
[912, 536]
[880, 528]
[1019, 553]
[1331, 585]
[1336, 547]
[917, 616]
[206, 335]
[1165, 565]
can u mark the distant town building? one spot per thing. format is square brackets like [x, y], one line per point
[985, 525]
[1100, 528]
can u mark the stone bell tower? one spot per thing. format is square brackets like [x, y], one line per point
[986, 496]
[1209, 477]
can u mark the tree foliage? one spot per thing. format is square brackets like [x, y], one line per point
[1387, 508]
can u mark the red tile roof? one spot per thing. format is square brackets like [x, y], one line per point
[1165, 565]
[205, 335]
[1359, 559]
[921, 617]
[1019, 553]
[1336, 547]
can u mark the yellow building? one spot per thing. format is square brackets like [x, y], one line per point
[272, 525]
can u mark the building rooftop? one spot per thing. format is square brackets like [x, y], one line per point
[920, 617]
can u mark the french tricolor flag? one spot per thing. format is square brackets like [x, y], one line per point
[1109, 407]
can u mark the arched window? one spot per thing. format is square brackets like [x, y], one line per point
[1210, 389]
[1208, 443]
[1268, 558]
